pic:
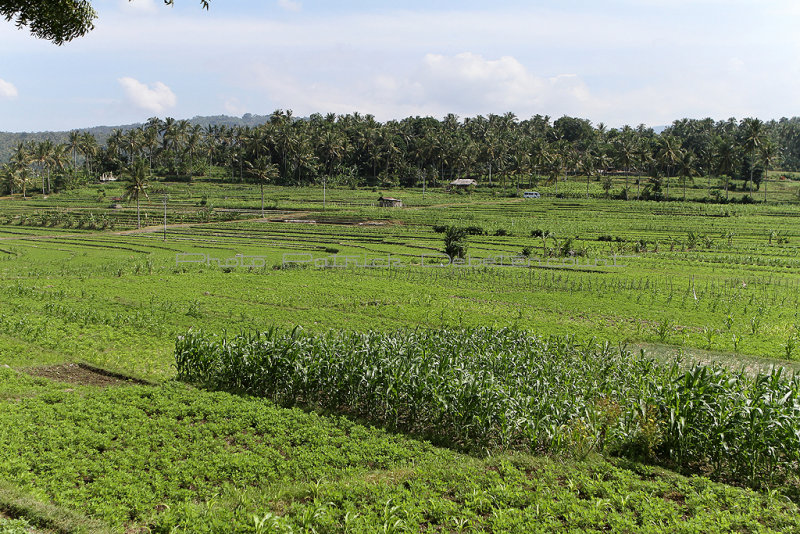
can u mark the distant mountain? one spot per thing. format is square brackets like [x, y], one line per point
[8, 140]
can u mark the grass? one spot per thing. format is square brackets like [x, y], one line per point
[714, 282]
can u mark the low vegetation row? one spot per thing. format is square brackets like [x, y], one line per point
[487, 389]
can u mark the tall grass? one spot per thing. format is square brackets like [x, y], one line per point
[487, 389]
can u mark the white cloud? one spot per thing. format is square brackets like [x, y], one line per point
[7, 89]
[156, 98]
[290, 5]
[469, 80]
[466, 84]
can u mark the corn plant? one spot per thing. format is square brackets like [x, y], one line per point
[495, 389]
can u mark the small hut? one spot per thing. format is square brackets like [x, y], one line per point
[462, 183]
[389, 202]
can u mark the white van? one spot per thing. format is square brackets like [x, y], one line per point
[531, 194]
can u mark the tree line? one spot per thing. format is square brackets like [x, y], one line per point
[355, 150]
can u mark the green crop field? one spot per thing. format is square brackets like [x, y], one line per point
[591, 365]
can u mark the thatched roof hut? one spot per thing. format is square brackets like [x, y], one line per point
[389, 202]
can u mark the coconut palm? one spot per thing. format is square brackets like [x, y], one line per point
[193, 141]
[726, 158]
[588, 166]
[669, 153]
[768, 152]
[753, 130]
[41, 155]
[89, 149]
[643, 157]
[23, 179]
[19, 168]
[263, 170]
[59, 158]
[150, 141]
[74, 144]
[137, 185]
[687, 169]
[115, 144]
[624, 148]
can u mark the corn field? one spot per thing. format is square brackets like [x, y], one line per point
[484, 390]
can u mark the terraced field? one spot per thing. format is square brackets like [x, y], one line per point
[708, 282]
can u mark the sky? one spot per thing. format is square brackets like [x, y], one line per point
[615, 62]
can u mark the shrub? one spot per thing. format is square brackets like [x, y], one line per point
[475, 230]
[455, 242]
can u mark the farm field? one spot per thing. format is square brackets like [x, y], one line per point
[78, 284]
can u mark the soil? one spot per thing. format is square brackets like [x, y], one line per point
[82, 374]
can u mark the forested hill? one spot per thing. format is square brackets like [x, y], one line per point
[8, 140]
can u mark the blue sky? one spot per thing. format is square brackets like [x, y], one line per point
[616, 61]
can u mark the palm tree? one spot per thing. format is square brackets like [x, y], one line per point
[753, 130]
[114, 145]
[59, 158]
[263, 170]
[669, 154]
[137, 185]
[332, 146]
[19, 168]
[7, 176]
[150, 141]
[193, 141]
[74, 144]
[588, 166]
[89, 149]
[643, 156]
[687, 169]
[554, 163]
[23, 179]
[726, 159]
[41, 156]
[768, 152]
[133, 141]
[625, 156]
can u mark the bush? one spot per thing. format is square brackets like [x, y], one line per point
[475, 230]
[455, 242]
[537, 233]
[439, 228]
[502, 232]
[609, 238]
